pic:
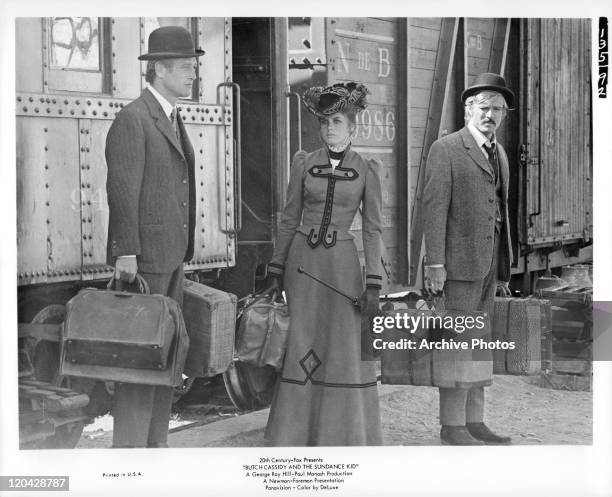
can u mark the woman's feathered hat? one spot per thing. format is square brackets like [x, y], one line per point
[339, 97]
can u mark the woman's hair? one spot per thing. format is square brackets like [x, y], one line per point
[351, 115]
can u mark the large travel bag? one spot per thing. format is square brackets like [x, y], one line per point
[210, 318]
[263, 333]
[525, 323]
[422, 366]
[125, 337]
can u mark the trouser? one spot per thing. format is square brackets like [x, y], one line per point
[142, 412]
[461, 405]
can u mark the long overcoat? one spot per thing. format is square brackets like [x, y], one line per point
[459, 208]
[150, 186]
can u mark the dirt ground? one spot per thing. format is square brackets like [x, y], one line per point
[530, 414]
[515, 406]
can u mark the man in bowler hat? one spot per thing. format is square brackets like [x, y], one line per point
[151, 199]
[467, 236]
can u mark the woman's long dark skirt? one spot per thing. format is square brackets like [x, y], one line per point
[326, 395]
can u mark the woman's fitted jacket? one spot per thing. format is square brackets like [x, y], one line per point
[322, 202]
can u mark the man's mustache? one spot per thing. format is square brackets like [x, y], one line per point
[489, 121]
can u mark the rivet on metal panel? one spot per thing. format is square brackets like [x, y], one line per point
[31, 99]
[84, 220]
[202, 230]
[65, 102]
[47, 203]
[202, 167]
[87, 167]
[89, 102]
[72, 112]
[25, 109]
[201, 151]
[83, 112]
[95, 113]
[193, 118]
[18, 99]
[207, 110]
[59, 111]
[46, 166]
[200, 135]
[212, 119]
[48, 221]
[53, 100]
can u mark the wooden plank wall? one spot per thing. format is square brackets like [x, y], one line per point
[423, 39]
[368, 50]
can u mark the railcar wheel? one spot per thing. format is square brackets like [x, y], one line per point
[249, 387]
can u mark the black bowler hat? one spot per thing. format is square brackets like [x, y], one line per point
[489, 81]
[170, 42]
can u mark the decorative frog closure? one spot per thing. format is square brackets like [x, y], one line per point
[338, 174]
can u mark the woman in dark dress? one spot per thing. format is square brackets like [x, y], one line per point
[326, 394]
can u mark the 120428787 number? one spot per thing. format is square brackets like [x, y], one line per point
[34, 482]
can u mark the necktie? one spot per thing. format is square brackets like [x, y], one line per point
[492, 159]
[173, 119]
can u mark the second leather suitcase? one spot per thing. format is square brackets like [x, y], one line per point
[524, 323]
[441, 368]
[210, 317]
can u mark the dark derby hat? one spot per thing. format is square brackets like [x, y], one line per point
[492, 82]
[170, 42]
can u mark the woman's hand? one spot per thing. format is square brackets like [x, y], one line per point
[274, 286]
[370, 300]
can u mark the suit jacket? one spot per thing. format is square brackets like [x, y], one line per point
[322, 202]
[151, 188]
[459, 208]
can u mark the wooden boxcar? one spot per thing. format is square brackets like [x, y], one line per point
[244, 118]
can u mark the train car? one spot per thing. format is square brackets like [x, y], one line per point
[244, 118]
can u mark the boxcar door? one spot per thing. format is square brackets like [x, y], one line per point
[557, 158]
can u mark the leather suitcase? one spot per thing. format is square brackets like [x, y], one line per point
[263, 333]
[524, 322]
[125, 337]
[439, 368]
[210, 318]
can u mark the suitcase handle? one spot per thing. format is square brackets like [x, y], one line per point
[115, 284]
